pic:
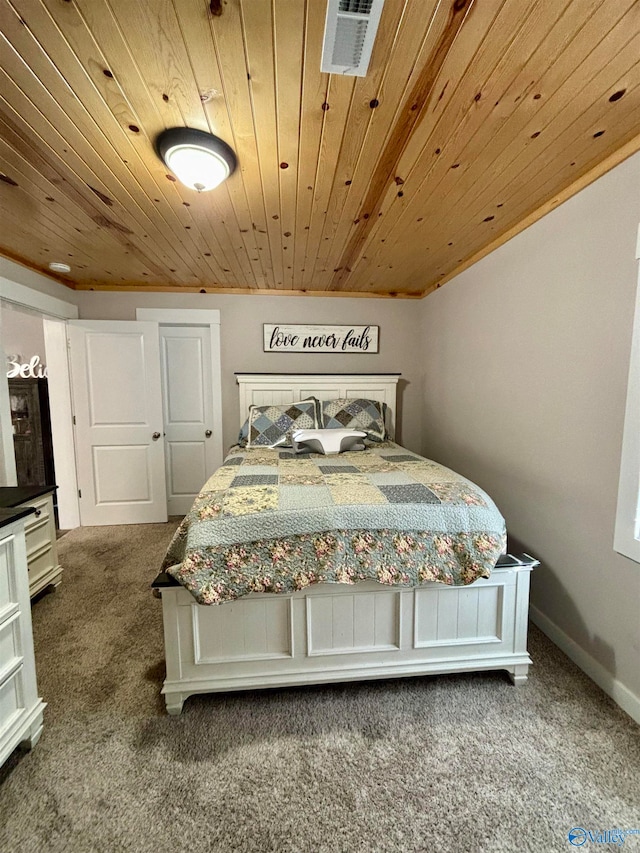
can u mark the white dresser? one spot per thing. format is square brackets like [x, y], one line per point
[40, 531]
[20, 706]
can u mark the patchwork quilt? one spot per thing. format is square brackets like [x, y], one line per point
[275, 521]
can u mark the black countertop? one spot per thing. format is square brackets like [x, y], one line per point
[11, 496]
[9, 515]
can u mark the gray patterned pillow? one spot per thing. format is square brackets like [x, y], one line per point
[366, 415]
[243, 435]
[274, 424]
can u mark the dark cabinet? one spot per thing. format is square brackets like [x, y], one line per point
[31, 422]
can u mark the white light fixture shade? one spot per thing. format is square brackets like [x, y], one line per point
[199, 160]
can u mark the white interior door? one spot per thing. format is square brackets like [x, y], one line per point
[187, 394]
[115, 369]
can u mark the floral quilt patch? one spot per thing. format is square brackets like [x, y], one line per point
[269, 522]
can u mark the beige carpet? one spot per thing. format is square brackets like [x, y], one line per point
[451, 763]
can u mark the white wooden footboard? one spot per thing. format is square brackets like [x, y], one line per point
[335, 632]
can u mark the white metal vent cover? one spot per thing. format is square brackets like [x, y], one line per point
[349, 33]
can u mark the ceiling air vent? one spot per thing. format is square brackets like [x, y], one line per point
[349, 33]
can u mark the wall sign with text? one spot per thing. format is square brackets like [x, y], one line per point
[299, 338]
[33, 369]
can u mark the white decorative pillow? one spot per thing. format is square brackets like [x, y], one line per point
[328, 440]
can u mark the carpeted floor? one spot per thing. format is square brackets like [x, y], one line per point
[450, 763]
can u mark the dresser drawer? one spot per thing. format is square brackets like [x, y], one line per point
[42, 550]
[40, 562]
[43, 507]
[38, 536]
[11, 700]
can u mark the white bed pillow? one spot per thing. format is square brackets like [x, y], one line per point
[328, 440]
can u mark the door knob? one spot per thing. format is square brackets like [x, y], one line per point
[155, 436]
[207, 433]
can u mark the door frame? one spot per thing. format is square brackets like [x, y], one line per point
[50, 307]
[198, 317]
[54, 312]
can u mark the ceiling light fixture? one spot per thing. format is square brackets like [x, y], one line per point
[199, 160]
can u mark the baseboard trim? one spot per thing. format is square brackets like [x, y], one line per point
[621, 695]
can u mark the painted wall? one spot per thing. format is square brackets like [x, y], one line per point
[21, 333]
[526, 358]
[241, 319]
[14, 272]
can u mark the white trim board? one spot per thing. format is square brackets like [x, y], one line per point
[19, 294]
[8, 474]
[64, 454]
[621, 695]
[175, 316]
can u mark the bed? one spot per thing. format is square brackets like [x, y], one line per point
[300, 568]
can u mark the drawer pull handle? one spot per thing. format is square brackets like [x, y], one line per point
[38, 513]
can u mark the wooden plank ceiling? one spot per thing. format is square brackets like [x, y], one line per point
[475, 117]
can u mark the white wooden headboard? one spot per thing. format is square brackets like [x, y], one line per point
[263, 389]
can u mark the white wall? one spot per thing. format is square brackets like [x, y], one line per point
[241, 319]
[526, 359]
[22, 333]
[14, 272]
[14, 281]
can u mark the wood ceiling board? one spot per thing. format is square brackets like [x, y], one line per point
[339, 97]
[438, 141]
[228, 37]
[79, 135]
[57, 233]
[226, 207]
[164, 62]
[524, 186]
[196, 25]
[257, 25]
[288, 27]
[454, 116]
[531, 135]
[315, 90]
[72, 175]
[601, 168]
[142, 110]
[86, 86]
[440, 265]
[559, 109]
[411, 114]
[65, 182]
[176, 199]
[134, 287]
[53, 206]
[376, 103]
